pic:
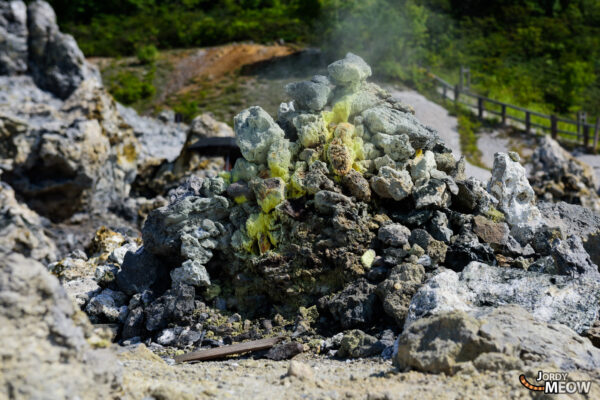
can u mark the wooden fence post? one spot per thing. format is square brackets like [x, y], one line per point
[527, 122]
[444, 91]
[596, 133]
[480, 107]
[586, 135]
[553, 126]
[503, 114]
[456, 93]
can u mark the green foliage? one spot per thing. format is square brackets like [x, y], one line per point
[128, 87]
[147, 54]
[540, 54]
[111, 28]
[468, 125]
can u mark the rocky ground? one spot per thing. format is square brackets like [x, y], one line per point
[343, 226]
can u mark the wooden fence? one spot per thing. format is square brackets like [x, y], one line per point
[581, 131]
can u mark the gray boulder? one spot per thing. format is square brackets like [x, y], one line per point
[355, 305]
[44, 353]
[510, 187]
[55, 61]
[140, 270]
[554, 299]
[13, 31]
[309, 95]
[394, 122]
[350, 70]
[395, 235]
[575, 220]
[255, 131]
[191, 273]
[489, 337]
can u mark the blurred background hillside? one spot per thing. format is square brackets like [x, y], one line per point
[540, 54]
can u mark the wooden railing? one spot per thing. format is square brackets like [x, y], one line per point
[581, 131]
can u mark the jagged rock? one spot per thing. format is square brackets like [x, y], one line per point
[191, 273]
[108, 306]
[438, 227]
[140, 271]
[397, 147]
[106, 274]
[13, 30]
[575, 302]
[55, 61]
[269, 192]
[255, 131]
[393, 122]
[556, 175]
[509, 185]
[357, 344]
[309, 95]
[392, 184]
[494, 233]
[175, 305]
[165, 226]
[21, 230]
[355, 305]
[431, 194]
[44, 352]
[398, 289]
[577, 221]
[161, 138]
[65, 157]
[572, 260]
[285, 351]
[134, 324]
[81, 290]
[348, 71]
[447, 341]
[357, 185]
[423, 166]
[395, 235]
[467, 248]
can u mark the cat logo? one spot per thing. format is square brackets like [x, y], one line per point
[556, 383]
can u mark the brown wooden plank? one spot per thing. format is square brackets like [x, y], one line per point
[224, 351]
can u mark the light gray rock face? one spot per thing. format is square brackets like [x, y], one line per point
[309, 95]
[554, 299]
[391, 183]
[81, 290]
[396, 146]
[65, 157]
[390, 121]
[44, 352]
[445, 342]
[55, 61]
[108, 306]
[160, 138]
[350, 70]
[191, 273]
[22, 230]
[556, 175]
[255, 131]
[575, 220]
[509, 185]
[13, 31]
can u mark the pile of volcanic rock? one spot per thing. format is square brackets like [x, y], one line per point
[345, 223]
[558, 176]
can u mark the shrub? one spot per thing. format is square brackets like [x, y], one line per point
[147, 54]
[128, 88]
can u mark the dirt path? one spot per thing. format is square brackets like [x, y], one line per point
[147, 376]
[437, 117]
